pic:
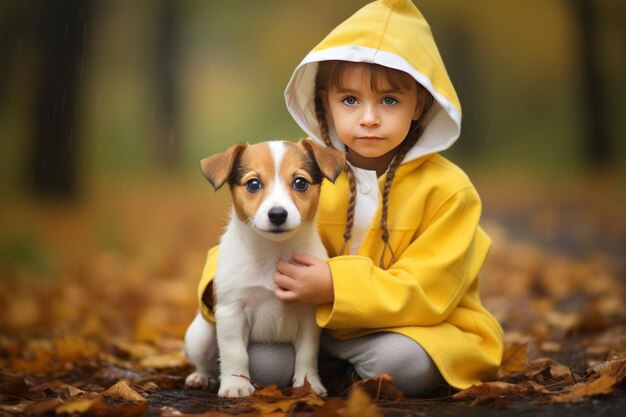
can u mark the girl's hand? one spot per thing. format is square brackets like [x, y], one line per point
[306, 281]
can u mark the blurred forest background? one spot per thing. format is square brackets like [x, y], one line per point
[106, 108]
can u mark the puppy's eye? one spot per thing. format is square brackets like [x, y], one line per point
[254, 185]
[300, 184]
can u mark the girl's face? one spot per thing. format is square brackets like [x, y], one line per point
[372, 122]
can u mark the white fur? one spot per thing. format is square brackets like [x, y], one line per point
[246, 308]
[278, 196]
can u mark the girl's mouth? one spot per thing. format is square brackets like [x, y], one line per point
[370, 138]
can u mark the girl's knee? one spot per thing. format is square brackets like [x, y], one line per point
[412, 369]
[271, 364]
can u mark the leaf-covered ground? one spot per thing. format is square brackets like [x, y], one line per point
[95, 298]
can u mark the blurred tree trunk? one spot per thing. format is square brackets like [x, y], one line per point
[166, 147]
[460, 61]
[597, 146]
[60, 34]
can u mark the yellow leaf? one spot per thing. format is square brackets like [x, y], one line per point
[271, 391]
[136, 350]
[147, 331]
[359, 404]
[167, 360]
[122, 390]
[79, 407]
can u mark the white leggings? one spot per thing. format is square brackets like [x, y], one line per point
[413, 370]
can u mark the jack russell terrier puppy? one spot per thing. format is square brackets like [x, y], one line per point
[275, 188]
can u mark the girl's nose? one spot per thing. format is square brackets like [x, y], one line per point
[369, 116]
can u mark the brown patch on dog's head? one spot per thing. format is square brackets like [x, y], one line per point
[255, 164]
[307, 162]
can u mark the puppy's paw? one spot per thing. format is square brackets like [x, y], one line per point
[200, 380]
[235, 387]
[319, 388]
[314, 381]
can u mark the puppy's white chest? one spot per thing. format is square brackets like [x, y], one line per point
[269, 320]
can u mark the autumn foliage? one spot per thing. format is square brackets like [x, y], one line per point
[95, 299]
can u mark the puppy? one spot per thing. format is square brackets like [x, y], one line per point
[275, 188]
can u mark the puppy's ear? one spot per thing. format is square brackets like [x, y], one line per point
[217, 168]
[330, 161]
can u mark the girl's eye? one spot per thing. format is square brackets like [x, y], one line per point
[300, 184]
[389, 101]
[254, 185]
[350, 101]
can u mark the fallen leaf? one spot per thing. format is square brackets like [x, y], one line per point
[123, 391]
[135, 350]
[551, 369]
[615, 368]
[164, 361]
[514, 359]
[79, 407]
[286, 404]
[359, 404]
[269, 392]
[42, 361]
[12, 384]
[499, 388]
[71, 348]
[59, 389]
[332, 407]
[380, 387]
[271, 399]
[601, 386]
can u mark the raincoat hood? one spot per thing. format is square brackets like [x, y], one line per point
[394, 34]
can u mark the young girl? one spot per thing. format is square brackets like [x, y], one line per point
[399, 293]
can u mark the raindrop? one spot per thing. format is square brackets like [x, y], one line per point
[66, 30]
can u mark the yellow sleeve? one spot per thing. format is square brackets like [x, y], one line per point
[426, 282]
[205, 288]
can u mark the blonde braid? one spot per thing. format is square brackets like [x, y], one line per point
[321, 118]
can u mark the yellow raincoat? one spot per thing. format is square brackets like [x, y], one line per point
[430, 293]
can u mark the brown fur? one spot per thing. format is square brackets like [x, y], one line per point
[240, 163]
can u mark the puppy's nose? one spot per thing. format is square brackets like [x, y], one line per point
[277, 215]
